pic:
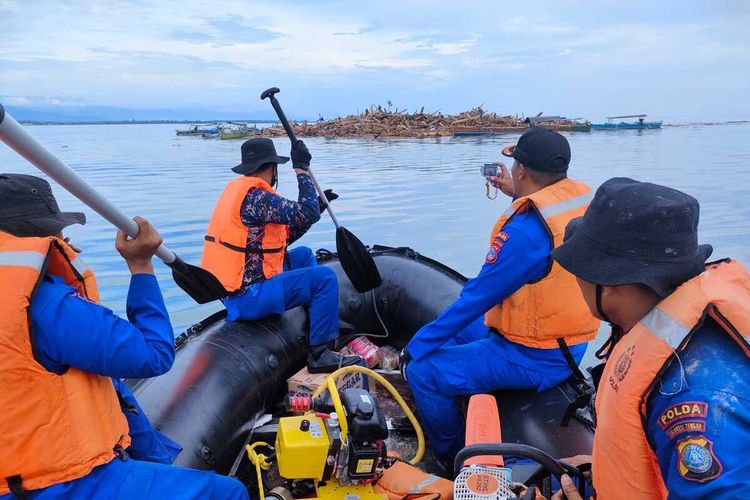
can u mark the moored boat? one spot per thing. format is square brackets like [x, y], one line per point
[639, 124]
[196, 130]
[227, 374]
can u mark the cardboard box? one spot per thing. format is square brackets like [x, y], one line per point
[304, 383]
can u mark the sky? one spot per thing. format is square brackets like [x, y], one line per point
[679, 61]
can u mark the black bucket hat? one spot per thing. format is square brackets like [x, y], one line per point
[256, 153]
[541, 149]
[28, 207]
[635, 232]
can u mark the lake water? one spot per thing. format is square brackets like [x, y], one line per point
[425, 194]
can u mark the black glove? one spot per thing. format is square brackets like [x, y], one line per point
[403, 360]
[330, 196]
[300, 155]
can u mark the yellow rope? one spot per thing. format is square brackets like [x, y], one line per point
[366, 371]
[260, 461]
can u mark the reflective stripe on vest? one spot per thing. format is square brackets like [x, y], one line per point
[624, 464]
[539, 313]
[226, 242]
[53, 427]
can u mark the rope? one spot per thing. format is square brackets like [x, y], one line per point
[260, 461]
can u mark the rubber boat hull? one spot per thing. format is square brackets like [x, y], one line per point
[226, 374]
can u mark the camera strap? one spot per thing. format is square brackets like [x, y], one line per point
[487, 191]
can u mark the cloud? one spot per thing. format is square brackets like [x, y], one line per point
[519, 55]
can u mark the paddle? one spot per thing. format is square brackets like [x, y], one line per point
[356, 261]
[200, 284]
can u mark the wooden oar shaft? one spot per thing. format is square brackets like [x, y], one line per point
[27, 146]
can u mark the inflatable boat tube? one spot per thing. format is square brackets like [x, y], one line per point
[226, 374]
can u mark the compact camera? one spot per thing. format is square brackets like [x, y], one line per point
[489, 170]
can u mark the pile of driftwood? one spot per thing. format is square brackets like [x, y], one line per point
[380, 122]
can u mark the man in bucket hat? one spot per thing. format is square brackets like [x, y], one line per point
[673, 401]
[246, 249]
[521, 323]
[70, 428]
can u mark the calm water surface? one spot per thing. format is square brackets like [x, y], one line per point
[425, 194]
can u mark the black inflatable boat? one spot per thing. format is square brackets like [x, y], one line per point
[226, 374]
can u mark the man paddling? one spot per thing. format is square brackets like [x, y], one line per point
[246, 249]
[673, 403]
[506, 329]
[65, 430]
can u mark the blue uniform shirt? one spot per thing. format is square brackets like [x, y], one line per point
[522, 256]
[699, 418]
[69, 330]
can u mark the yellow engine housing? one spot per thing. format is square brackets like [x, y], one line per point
[302, 454]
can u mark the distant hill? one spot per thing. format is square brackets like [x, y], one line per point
[78, 114]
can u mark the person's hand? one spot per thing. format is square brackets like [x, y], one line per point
[301, 157]
[503, 180]
[75, 248]
[138, 251]
[577, 460]
[330, 196]
[568, 491]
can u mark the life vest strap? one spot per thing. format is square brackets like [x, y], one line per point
[15, 487]
[236, 248]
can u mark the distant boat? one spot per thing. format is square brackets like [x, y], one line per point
[195, 130]
[243, 130]
[639, 124]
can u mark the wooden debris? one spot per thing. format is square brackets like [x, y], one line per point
[377, 122]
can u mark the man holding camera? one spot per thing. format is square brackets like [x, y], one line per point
[522, 322]
[246, 249]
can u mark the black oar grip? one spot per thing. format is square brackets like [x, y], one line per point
[2, 113]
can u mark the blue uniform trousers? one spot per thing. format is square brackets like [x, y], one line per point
[303, 282]
[475, 361]
[144, 480]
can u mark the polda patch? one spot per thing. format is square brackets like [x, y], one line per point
[697, 461]
[682, 411]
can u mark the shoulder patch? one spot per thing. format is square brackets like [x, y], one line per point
[683, 411]
[696, 460]
[495, 247]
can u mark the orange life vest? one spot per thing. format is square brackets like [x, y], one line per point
[54, 427]
[224, 253]
[539, 313]
[624, 464]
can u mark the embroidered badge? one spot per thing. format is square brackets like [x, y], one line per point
[686, 426]
[622, 367]
[493, 253]
[682, 411]
[697, 461]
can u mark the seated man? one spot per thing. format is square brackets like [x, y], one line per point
[246, 249]
[62, 429]
[673, 404]
[536, 324]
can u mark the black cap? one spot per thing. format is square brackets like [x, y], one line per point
[256, 153]
[28, 207]
[541, 149]
[635, 232]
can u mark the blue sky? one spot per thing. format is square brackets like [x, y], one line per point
[675, 60]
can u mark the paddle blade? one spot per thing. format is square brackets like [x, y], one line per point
[357, 262]
[201, 285]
